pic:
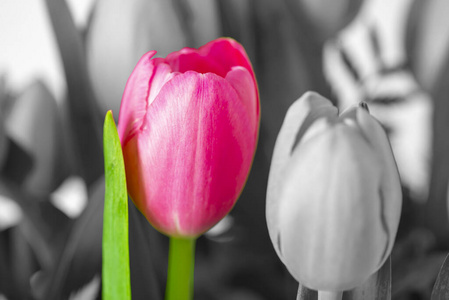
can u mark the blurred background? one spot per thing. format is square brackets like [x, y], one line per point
[63, 64]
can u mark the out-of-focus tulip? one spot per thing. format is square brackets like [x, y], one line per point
[334, 195]
[432, 43]
[33, 124]
[122, 31]
[188, 126]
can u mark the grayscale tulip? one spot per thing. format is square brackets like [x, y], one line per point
[334, 196]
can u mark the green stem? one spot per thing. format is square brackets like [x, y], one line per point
[181, 261]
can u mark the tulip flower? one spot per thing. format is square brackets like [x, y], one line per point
[334, 196]
[188, 126]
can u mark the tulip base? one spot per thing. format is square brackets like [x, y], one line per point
[325, 295]
[181, 261]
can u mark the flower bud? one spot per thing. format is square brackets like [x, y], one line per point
[334, 196]
[188, 125]
[329, 16]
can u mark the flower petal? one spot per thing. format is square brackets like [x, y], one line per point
[162, 73]
[243, 83]
[189, 59]
[301, 114]
[390, 181]
[218, 56]
[349, 240]
[228, 53]
[133, 106]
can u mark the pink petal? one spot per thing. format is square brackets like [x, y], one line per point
[162, 74]
[217, 56]
[227, 53]
[144, 84]
[195, 155]
[189, 59]
[133, 106]
[243, 83]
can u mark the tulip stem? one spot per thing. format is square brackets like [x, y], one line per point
[325, 295]
[181, 261]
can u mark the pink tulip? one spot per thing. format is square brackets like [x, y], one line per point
[188, 125]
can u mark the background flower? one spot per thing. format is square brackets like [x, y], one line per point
[333, 197]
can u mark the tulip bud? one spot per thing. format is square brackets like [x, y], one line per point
[334, 196]
[188, 125]
[329, 16]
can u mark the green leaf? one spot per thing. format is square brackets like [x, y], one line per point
[116, 274]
